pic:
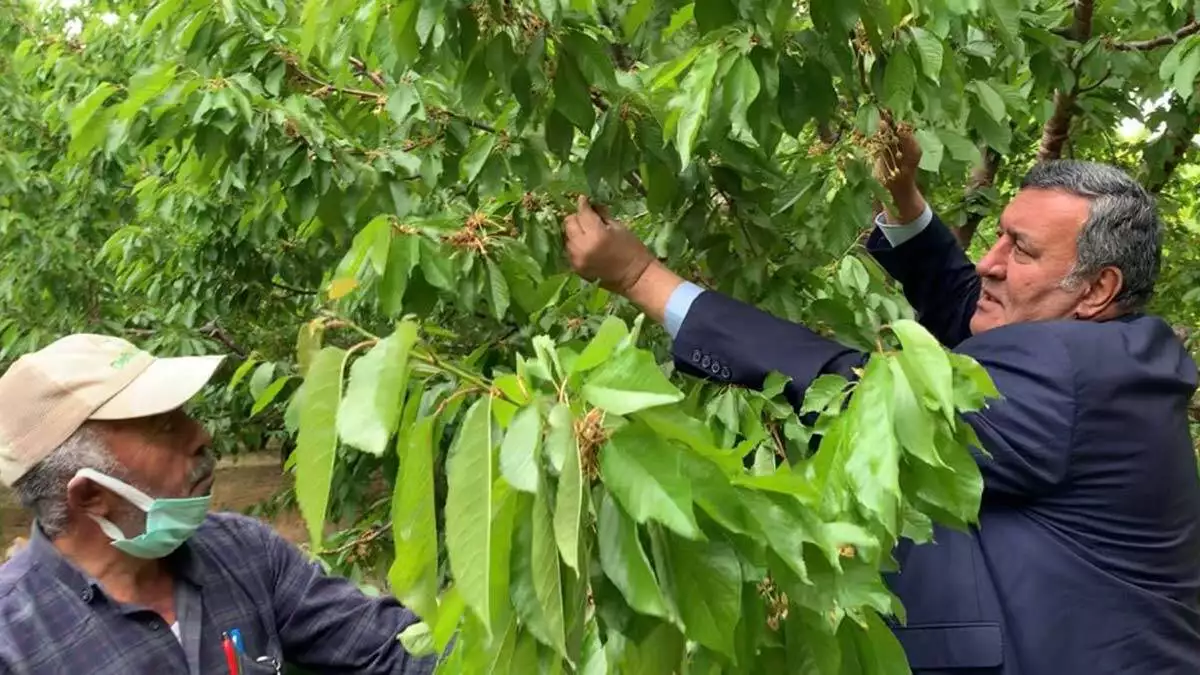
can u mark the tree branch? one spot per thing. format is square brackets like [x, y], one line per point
[982, 177]
[374, 76]
[293, 289]
[327, 87]
[1058, 127]
[1190, 28]
[214, 332]
[1181, 143]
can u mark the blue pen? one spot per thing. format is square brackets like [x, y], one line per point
[236, 636]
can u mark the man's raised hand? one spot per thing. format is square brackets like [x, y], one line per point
[602, 249]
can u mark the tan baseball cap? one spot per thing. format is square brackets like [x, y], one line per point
[47, 395]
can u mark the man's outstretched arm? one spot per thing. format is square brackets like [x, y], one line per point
[920, 252]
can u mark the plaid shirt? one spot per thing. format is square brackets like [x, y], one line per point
[235, 572]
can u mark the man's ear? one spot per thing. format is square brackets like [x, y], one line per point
[84, 496]
[1099, 298]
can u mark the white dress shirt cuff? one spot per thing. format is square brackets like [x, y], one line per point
[897, 234]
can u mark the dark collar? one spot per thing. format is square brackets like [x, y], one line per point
[183, 563]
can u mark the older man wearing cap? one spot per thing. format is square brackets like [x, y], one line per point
[126, 571]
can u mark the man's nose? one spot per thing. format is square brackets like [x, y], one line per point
[991, 265]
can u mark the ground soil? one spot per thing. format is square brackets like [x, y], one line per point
[241, 483]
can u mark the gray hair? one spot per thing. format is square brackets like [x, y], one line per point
[1122, 230]
[43, 489]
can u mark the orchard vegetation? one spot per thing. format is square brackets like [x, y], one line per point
[361, 202]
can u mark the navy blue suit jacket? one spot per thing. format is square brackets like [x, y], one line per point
[1087, 557]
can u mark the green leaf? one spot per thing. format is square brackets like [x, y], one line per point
[991, 100]
[547, 576]
[741, 86]
[708, 578]
[914, 423]
[261, 379]
[926, 363]
[636, 16]
[403, 254]
[929, 48]
[498, 292]
[1184, 77]
[961, 148]
[644, 474]
[521, 450]
[624, 561]
[568, 507]
[316, 446]
[85, 110]
[571, 96]
[713, 14]
[1007, 14]
[560, 439]
[371, 409]
[436, 266]
[468, 508]
[931, 150]
[899, 79]
[822, 392]
[144, 87]
[607, 337]
[240, 374]
[413, 576]
[156, 16]
[593, 60]
[476, 155]
[629, 382]
[690, 105]
[418, 639]
[268, 395]
[872, 466]
[560, 135]
[401, 102]
[308, 343]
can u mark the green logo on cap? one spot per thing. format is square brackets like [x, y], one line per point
[124, 359]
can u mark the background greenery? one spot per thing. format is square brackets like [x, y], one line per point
[361, 202]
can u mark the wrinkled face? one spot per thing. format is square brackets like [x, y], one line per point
[1023, 271]
[165, 456]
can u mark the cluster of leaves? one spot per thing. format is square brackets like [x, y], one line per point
[590, 500]
[205, 176]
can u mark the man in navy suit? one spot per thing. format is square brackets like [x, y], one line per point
[1087, 558]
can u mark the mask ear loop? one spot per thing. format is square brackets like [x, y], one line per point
[128, 492]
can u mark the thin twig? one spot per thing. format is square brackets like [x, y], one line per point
[374, 76]
[366, 537]
[293, 289]
[360, 93]
[1190, 28]
[1096, 85]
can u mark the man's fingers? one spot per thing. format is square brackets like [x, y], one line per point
[572, 226]
[583, 205]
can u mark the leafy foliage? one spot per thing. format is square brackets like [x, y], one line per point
[362, 200]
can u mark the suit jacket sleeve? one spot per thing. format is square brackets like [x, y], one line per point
[938, 279]
[1027, 433]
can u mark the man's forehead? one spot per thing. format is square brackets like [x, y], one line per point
[1040, 214]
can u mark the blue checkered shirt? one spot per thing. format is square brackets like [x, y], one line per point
[235, 572]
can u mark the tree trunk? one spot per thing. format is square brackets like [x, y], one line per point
[982, 177]
[1181, 142]
[1058, 128]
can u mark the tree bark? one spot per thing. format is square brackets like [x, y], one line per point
[1058, 128]
[982, 177]
[1180, 144]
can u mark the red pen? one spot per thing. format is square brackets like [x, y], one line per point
[230, 654]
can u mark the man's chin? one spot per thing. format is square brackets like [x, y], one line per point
[985, 319]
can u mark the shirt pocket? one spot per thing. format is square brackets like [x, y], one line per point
[951, 647]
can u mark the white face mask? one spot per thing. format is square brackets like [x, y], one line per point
[169, 522]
